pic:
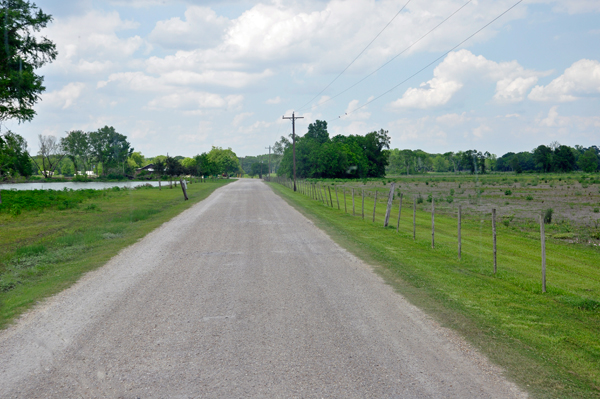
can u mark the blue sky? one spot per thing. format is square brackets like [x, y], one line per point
[180, 77]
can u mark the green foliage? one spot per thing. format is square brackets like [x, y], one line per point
[224, 160]
[23, 52]
[508, 192]
[14, 159]
[109, 148]
[529, 197]
[548, 216]
[258, 169]
[588, 162]
[14, 201]
[318, 156]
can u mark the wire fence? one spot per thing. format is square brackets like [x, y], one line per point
[442, 224]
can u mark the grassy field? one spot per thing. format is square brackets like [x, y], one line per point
[48, 239]
[548, 343]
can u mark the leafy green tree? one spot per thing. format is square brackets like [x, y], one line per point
[563, 159]
[24, 52]
[14, 159]
[543, 157]
[206, 167]
[588, 162]
[515, 164]
[173, 167]
[76, 146]
[259, 169]
[190, 166]
[109, 148]
[225, 160]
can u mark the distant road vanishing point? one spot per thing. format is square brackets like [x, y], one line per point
[239, 296]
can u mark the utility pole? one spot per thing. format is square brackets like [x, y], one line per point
[293, 118]
[269, 160]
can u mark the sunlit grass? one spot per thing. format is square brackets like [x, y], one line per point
[549, 343]
[45, 249]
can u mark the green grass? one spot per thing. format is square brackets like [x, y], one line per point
[47, 248]
[548, 343]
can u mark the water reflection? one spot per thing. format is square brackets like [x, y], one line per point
[77, 185]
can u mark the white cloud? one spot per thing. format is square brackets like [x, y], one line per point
[191, 100]
[237, 120]
[481, 130]
[88, 43]
[462, 67]
[276, 100]
[355, 114]
[64, 97]
[572, 6]
[202, 28]
[581, 78]
[453, 119]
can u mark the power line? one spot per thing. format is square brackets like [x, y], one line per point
[397, 55]
[365, 49]
[432, 62]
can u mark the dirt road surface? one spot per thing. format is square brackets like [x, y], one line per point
[239, 296]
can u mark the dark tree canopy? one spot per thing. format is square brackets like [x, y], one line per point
[341, 157]
[14, 159]
[21, 54]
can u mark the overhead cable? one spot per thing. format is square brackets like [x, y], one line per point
[396, 56]
[365, 49]
[431, 63]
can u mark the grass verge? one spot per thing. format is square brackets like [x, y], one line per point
[45, 250]
[548, 343]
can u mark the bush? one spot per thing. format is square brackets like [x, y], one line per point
[419, 199]
[508, 192]
[529, 198]
[548, 216]
[596, 210]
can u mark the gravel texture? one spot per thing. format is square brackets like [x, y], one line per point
[239, 296]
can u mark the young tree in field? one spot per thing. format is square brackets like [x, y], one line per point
[76, 147]
[259, 169]
[588, 162]
[22, 53]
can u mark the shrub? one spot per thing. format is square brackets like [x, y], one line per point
[419, 199]
[508, 192]
[529, 197]
[596, 210]
[548, 216]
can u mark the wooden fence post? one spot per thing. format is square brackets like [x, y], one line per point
[432, 222]
[389, 205]
[494, 233]
[399, 213]
[459, 231]
[414, 218]
[330, 199]
[374, 206]
[345, 206]
[543, 239]
[363, 204]
[336, 197]
[183, 189]
[353, 208]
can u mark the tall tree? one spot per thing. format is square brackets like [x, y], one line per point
[23, 53]
[588, 162]
[76, 146]
[543, 157]
[109, 148]
[563, 159]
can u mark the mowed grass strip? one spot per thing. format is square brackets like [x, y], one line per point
[548, 343]
[45, 251]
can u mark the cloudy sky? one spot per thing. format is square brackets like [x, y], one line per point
[181, 76]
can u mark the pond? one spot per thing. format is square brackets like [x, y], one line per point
[76, 185]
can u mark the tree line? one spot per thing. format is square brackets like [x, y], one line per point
[105, 153]
[552, 158]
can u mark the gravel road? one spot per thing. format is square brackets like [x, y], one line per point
[239, 296]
